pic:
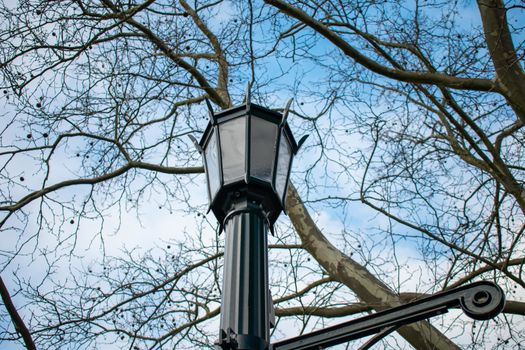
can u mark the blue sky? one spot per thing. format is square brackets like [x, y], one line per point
[155, 226]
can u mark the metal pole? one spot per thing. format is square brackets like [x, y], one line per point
[244, 305]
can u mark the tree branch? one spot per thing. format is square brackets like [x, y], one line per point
[15, 317]
[366, 286]
[417, 77]
[510, 75]
[94, 180]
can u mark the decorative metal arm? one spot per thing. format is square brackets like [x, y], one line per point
[479, 300]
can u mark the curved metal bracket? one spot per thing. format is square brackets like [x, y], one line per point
[377, 338]
[479, 300]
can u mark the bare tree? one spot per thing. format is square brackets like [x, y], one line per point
[443, 119]
[416, 117]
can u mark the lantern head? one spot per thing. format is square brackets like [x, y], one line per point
[248, 152]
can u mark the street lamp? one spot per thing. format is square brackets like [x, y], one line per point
[247, 152]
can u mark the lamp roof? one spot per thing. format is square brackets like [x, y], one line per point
[244, 110]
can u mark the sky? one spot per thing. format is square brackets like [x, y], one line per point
[155, 227]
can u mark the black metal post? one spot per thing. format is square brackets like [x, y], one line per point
[246, 197]
[244, 306]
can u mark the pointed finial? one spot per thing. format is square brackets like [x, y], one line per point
[286, 111]
[248, 95]
[196, 143]
[211, 114]
[301, 141]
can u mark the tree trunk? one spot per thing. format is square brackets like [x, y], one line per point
[421, 335]
[510, 75]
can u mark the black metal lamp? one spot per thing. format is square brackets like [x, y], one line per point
[248, 152]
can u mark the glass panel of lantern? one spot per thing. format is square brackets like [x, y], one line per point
[262, 148]
[283, 165]
[233, 145]
[211, 157]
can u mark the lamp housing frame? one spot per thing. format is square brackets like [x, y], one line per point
[246, 185]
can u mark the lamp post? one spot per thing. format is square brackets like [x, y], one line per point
[247, 152]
